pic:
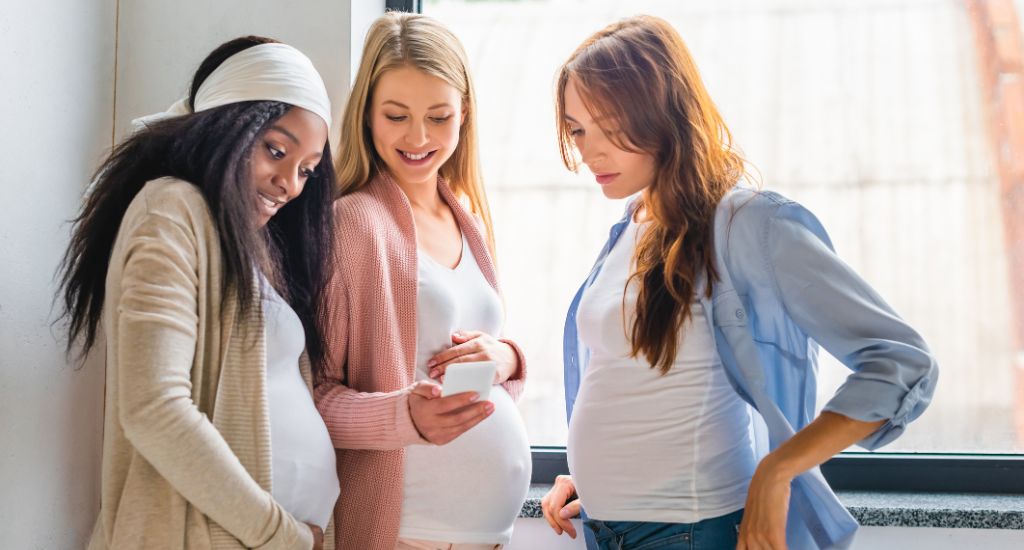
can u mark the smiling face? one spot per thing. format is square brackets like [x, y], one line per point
[414, 120]
[284, 157]
[620, 173]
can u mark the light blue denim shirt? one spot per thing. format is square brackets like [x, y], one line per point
[782, 290]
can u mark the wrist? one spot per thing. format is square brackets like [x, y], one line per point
[409, 431]
[513, 362]
[776, 468]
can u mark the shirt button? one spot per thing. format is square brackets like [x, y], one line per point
[739, 314]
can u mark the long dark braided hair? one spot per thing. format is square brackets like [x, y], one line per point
[210, 149]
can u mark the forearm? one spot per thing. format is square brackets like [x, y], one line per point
[819, 441]
[377, 421]
[191, 455]
[160, 419]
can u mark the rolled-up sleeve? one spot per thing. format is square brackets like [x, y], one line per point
[894, 373]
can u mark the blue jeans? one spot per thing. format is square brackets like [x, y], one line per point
[719, 533]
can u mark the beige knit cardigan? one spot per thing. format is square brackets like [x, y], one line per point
[364, 397]
[186, 450]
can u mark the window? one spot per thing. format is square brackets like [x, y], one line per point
[899, 123]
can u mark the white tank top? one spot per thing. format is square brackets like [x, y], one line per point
[643, 446]
[304, 478]
[472, 489]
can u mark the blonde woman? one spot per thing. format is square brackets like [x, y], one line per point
[416, 291]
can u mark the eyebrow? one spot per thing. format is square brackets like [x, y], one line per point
[290, 135]
[597, 120]
[404, 106]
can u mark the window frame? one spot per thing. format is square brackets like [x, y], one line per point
[411, 6]
[863, 471]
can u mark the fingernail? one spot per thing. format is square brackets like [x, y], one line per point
[435, 391]
[563, 513]
[433, 373]
[489, 408]
[431, 363]
[474, 397]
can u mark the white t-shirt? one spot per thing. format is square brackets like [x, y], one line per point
[304, 478]
[472, 489]
[649, 447]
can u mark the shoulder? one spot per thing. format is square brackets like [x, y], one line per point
[172, 199]
[749, 217]
[356, 201]
[168, 217]
[361, 216]
[171, 204]
[375, 204]
[373, 222]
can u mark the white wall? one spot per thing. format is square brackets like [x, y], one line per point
[57, 74]
[531, 534]
[58, 107]
[161, 44]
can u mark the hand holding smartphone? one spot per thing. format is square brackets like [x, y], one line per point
[463, 377]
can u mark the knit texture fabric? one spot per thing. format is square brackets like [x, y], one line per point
[364, 393]
[186, 450]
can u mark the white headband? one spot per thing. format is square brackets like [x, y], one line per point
[267, 72]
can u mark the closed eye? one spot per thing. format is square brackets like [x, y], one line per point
[440, 119]
[396, 118]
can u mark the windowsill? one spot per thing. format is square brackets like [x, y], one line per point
[881, 509]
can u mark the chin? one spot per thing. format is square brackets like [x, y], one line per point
[613, 193]
[417, 175]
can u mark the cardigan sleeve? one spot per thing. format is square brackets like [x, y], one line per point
[354, 419]
[894, 373]
[156, 341]
[377, 421]
[517, 382]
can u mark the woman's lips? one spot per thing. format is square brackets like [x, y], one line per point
[415, 159]
[605, 179]
[269, 206]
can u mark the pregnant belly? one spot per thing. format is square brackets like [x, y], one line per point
[474, 484]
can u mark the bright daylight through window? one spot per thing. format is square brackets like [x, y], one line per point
[891, 120]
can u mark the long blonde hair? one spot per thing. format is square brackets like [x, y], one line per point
[640, 74]
[398, 40]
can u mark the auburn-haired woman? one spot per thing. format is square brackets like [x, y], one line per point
[708, 297]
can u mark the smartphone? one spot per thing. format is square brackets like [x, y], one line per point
[463, 377]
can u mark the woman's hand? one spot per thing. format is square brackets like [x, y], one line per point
[441, 419]
[318, 536]
[764, 517]
[556, 511]
[473, 345]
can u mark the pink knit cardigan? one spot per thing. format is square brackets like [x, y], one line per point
[363, 395]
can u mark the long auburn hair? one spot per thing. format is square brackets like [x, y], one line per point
[211, 150]
[396, 40]
[639, 73]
